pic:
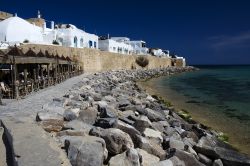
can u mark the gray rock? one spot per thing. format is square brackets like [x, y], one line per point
[126, 120]
[153, 115]
[128, 158]
[78, 125]
[217, 162]
[173, 143]
[87, 150]
[150, 146]
[70, 133]
[108, 112]
[160, 126]
[166, 163]
[2, 148]
[110, 99]
[127, 129]
[117, 140]
[215, 149]
[88, 115]
[204, 159]
[44, 115]
[147, 159]
[123, 103]
[105, 122]
[69, 115]
[153, 135]
[142, 123]
[188, 158]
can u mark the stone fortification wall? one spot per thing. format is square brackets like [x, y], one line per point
[95, 60]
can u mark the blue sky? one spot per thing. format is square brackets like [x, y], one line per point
[205, 31]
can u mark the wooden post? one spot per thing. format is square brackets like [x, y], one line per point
[42, 77]
[16, 89]
[48, 75]
[35, 80]
[38, 80]
[25, 71]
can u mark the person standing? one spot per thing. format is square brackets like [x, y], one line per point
[2, 90]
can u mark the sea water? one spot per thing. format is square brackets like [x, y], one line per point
[218, 96]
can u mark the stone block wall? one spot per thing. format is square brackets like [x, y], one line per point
[94, 60]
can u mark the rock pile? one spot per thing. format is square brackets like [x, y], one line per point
[106, 119]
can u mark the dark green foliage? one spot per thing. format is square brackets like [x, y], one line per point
[26, 41]
[55, 42]
[142, 61]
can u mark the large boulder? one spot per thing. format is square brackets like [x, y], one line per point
[105, 122]
[204, 159]
[177, 144]
[87, 150]
[2, 148]
[52, 125]
[142, 122]
[57, 105]
[78, 125]
[127, 129]
[188, 158]
[154, 116]
[117, 140]
[71, 114]
[147, 159]
[153, 135]
[45, 115]
[88, 115]
[173, 161]
[213, 148]
[150, 146]
[127, 158]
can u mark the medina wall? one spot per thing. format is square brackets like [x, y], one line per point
[94, 60]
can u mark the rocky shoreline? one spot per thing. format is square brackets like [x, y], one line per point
[106, 119]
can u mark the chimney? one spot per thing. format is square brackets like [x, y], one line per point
[38, 14]
[52, 25]
[44, 26]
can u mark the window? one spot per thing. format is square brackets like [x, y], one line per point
[81, 42]
[75, 41]
[90, 44]
[95, 44]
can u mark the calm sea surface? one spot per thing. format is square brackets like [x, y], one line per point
[218, 96]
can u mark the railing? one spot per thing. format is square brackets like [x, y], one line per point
[23, 88]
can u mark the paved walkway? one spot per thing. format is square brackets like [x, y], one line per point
[32, 145]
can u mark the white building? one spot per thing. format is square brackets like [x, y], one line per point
[139, 47]
[159, 52]
[70, 36]
[17, 30]
[115, 45]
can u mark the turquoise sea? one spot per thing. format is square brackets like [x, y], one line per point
[218, 96]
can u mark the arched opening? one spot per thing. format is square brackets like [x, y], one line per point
[81, 42]
[75, 41]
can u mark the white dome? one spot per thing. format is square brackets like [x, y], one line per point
[15, 29]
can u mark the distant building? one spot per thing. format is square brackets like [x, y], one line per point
[156, 52]
[139, 47]
[70, 36]
[115, 45]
